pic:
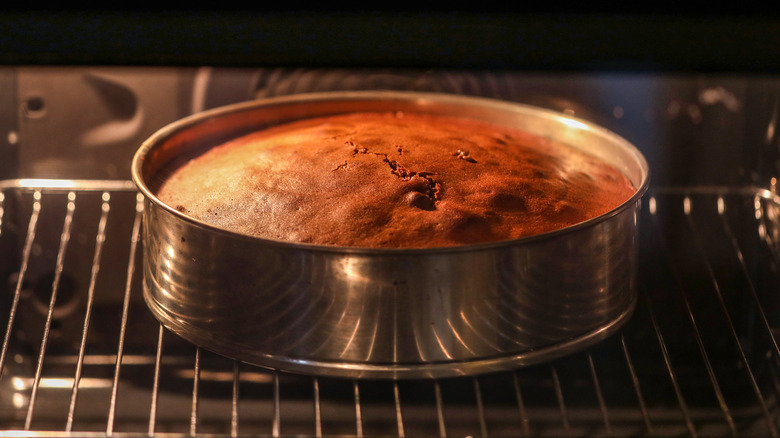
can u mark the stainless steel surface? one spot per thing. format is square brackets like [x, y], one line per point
[682, 366]
[377, 313]
[100, 116]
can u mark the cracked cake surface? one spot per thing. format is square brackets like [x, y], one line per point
[393, 180]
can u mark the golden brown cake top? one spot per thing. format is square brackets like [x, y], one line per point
[394, 180]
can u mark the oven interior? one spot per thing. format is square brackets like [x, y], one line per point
[83, 356]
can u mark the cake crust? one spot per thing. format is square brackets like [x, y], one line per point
[393, 180]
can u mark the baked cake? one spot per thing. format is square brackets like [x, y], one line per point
[394, 180]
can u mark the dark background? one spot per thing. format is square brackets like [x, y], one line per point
[564, 37]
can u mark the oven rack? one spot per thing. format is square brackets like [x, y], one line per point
[82, 356]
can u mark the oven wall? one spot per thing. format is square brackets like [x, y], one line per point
[86, 122]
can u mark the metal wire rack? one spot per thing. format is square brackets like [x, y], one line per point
[82, 356]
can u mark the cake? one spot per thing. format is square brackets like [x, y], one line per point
[393, 180]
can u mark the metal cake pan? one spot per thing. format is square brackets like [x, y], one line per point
[387, 313]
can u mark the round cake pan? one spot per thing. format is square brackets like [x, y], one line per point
[387, 313]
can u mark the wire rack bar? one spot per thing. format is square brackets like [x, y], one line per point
[637, 387]
[480, 408]
[195, 398]
[670, 370]
[64, 240]
[694, 326]
[234, 400]
[751, 286]
[156, 381]
[2, 211]
[99, 241]
[399, 419]
[439, 410]
[559, 397]
[728, 318]
[600, 396]
[28, 242]
[317, 408]
[134, 240]
[525, 424]
[358, 410]
[276, 426]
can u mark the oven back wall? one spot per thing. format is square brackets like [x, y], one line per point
[86, 123]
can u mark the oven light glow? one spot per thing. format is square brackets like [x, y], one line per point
[22, 384]
[80, 184]
[139, 202]
[19, 402]
[224, 376]
[18, 384]
[56, 383]
[13, 137]
[49, 183]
